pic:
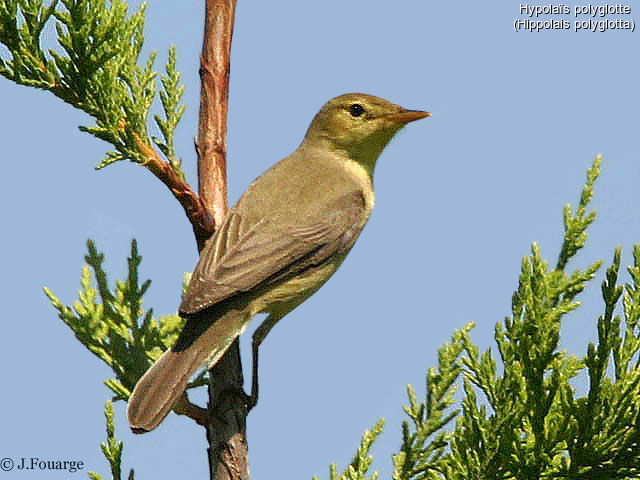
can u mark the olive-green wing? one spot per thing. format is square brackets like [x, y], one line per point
[239, 256]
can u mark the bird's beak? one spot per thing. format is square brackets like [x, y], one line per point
[406, 116]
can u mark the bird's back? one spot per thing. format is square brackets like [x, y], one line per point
[296, 186]
[299, 213]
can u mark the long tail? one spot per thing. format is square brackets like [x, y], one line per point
[205, 337]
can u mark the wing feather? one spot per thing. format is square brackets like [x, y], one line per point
[240, 256]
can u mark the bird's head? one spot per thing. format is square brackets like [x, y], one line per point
[359, 125]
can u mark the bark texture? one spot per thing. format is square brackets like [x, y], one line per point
[226, 429]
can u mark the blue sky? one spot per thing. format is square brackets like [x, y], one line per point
[517, 119]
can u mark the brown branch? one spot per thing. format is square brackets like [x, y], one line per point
[194, 207]
[207, 210]
[226, 431]
[198, 414]
[211, 144]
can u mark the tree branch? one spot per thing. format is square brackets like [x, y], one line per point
[207, 210]
[200, 217]
[211, 144]
[184, 407]
[226, 432]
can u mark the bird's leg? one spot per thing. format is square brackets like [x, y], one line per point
[258, 337]
[253, 398]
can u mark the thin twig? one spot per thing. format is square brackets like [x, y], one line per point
[199, 216]
[198, 414]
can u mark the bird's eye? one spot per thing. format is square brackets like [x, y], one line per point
[356, 110]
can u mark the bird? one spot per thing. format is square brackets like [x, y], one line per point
[284, 238]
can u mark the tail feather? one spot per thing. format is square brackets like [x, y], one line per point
[161, 386]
